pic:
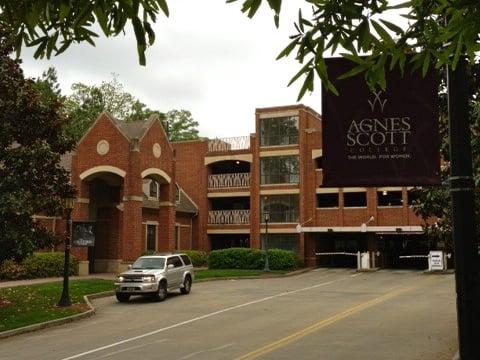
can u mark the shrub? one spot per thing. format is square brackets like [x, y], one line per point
[236, 258]
[245, 258]
[11, 270]
[50, 264]
[279, 259]
[199, 258]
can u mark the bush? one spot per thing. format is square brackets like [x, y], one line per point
[11, 270]
[148, 253]
[50, 264]
[199, 258]
[279, 259]
[236, 258]
[244, 258]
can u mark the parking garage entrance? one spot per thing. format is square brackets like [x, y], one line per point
[403, 251]
[332, 249]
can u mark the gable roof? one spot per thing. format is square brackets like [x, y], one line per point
[186, 204]
[133, 129]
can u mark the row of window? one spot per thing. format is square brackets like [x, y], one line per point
[359, 199]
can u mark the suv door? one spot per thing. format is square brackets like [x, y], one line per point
[174, 275]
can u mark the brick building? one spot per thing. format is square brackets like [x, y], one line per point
[144, 193]
[279, 169]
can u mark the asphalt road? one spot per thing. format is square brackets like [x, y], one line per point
[324, 314]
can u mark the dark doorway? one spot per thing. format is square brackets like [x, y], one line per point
[105, 193]
[338, 243]
[225, 241]
[392, 247]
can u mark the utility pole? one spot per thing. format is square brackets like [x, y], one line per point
[467, 273]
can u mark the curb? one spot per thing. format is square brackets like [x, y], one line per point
[65, 320]
[258, 277]
[91, 311]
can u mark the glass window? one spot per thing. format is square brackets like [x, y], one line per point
[355, 199]
[279, 131]
[186, 259]
[413, 195]
[279, 170]
[151, 237]
[280, 241]
[149, 263]
[177, 194]
[389, 198]
[327, 200]
[319, 163]
[282, 208]
[175, 261]
[153, 189]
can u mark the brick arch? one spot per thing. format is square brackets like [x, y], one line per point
[155, 173]
[102, 169]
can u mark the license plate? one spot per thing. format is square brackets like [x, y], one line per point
[129, 289]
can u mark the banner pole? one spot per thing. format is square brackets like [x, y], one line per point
[463, 207]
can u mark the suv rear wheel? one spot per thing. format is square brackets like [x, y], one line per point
[187, 285]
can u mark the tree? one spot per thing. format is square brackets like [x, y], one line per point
[52, 26]
[87, 102]
[31, 143]
[180, 125]
[435, 202]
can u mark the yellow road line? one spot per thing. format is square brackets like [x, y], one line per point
[321, 324]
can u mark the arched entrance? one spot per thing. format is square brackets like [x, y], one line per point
[105, 193]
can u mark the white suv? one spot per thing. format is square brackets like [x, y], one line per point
[155, 275]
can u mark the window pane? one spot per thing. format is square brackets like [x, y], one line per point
[282, 208]
[279, 131]
[151, 236]
[413, 195]
[153, 189]
[279, 170]
[389, 198]
[355, 199]
[280, 241]
[327, 200]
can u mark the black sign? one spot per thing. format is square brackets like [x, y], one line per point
[83, 234]
[380, 138]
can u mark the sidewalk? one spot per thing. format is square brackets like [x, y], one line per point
[5, 284]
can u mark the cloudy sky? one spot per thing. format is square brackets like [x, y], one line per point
[208, 58]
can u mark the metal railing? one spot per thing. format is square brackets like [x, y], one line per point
[219, 181]
[228, 217]
[229, 144]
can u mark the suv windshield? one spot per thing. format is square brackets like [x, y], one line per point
[149, 263]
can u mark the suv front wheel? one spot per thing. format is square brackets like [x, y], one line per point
[161, 294]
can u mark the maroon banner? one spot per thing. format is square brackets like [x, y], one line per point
[380, 138]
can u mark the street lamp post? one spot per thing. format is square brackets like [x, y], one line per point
[68, 204]
[266, 216]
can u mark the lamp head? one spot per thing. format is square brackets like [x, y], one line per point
[68, 203]
[266, 215]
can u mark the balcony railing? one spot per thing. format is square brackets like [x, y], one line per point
[229, 144]
[219, 181]
[229, 217]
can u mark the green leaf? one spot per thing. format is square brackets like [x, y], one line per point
[382, 32]
[163, 5]
[303, 70]
[396, 29]
[458, 52]
[307, 85]
[355, 71]
[275, 5]
[287, 50]
[426, 64]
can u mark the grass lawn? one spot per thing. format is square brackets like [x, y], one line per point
[26, 305]
[220, 273]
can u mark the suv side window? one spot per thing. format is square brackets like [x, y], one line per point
[175, 260]
[186, 259]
